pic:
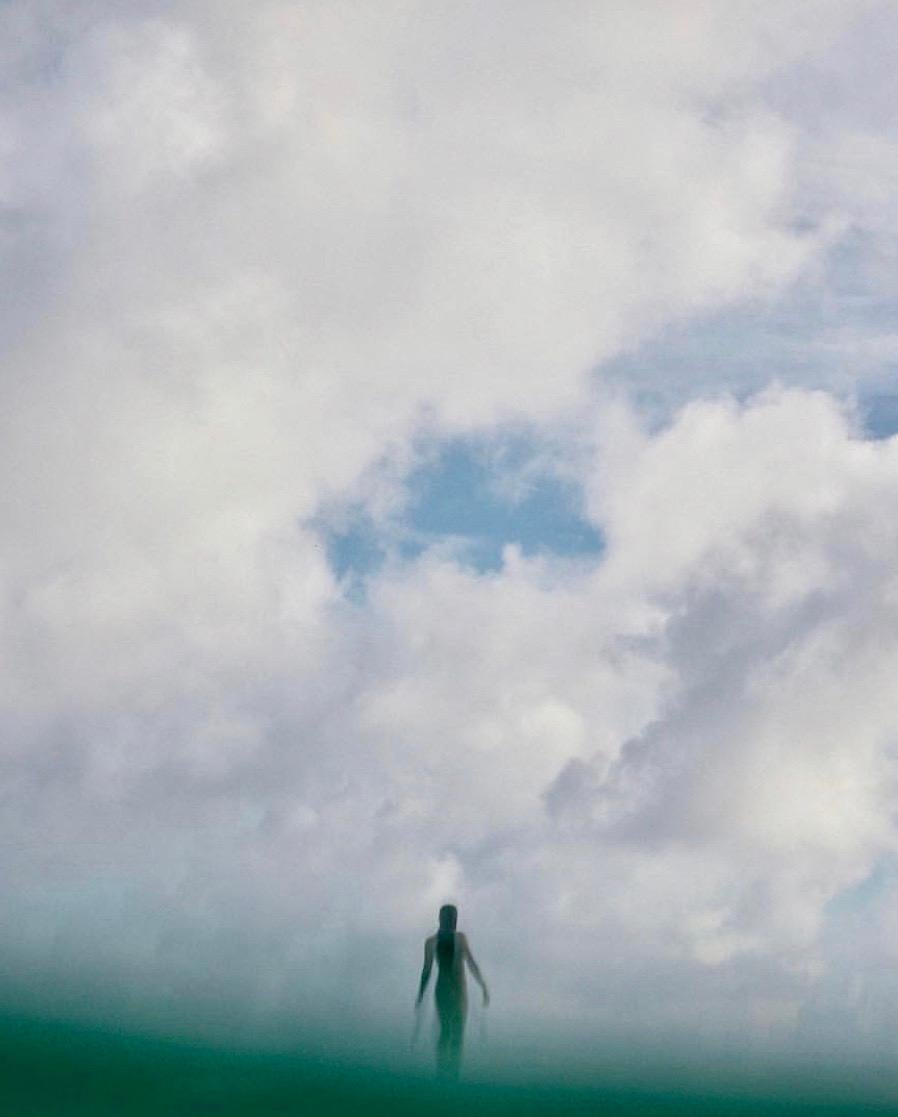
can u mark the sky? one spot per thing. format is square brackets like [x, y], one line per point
[448, 454]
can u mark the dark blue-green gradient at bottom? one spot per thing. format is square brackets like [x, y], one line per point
[58, 1070]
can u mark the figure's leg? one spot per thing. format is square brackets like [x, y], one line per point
[449, 1047]
[444, 1055]
[458, 1039]
[444, 1039]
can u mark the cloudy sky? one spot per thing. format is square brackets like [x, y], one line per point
[446, 454]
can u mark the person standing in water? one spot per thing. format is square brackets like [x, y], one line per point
[450, 947]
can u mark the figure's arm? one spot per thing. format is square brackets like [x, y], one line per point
[475, 970]
[425, 972]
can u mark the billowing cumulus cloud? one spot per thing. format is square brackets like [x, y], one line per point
[258, 256]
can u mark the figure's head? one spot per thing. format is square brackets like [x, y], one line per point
[448, 917]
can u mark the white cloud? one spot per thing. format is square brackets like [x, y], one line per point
[284, 239]
[724, 764]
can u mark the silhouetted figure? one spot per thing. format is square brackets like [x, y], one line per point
[452, 954]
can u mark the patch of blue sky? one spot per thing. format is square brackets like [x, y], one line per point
[838, 333]
[880, 415]
[472, 498]
[864, 893]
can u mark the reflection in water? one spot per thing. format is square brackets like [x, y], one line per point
[453, 954]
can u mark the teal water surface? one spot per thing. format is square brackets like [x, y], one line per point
[55, 1069]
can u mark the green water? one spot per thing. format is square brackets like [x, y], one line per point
[55, 1069]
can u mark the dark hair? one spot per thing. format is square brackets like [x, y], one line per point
[446, 933]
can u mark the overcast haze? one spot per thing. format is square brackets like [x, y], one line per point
[446, 456]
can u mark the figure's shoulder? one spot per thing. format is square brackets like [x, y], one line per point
[430, 942]
[462, 938]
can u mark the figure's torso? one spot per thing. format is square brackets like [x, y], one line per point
[450, 958]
